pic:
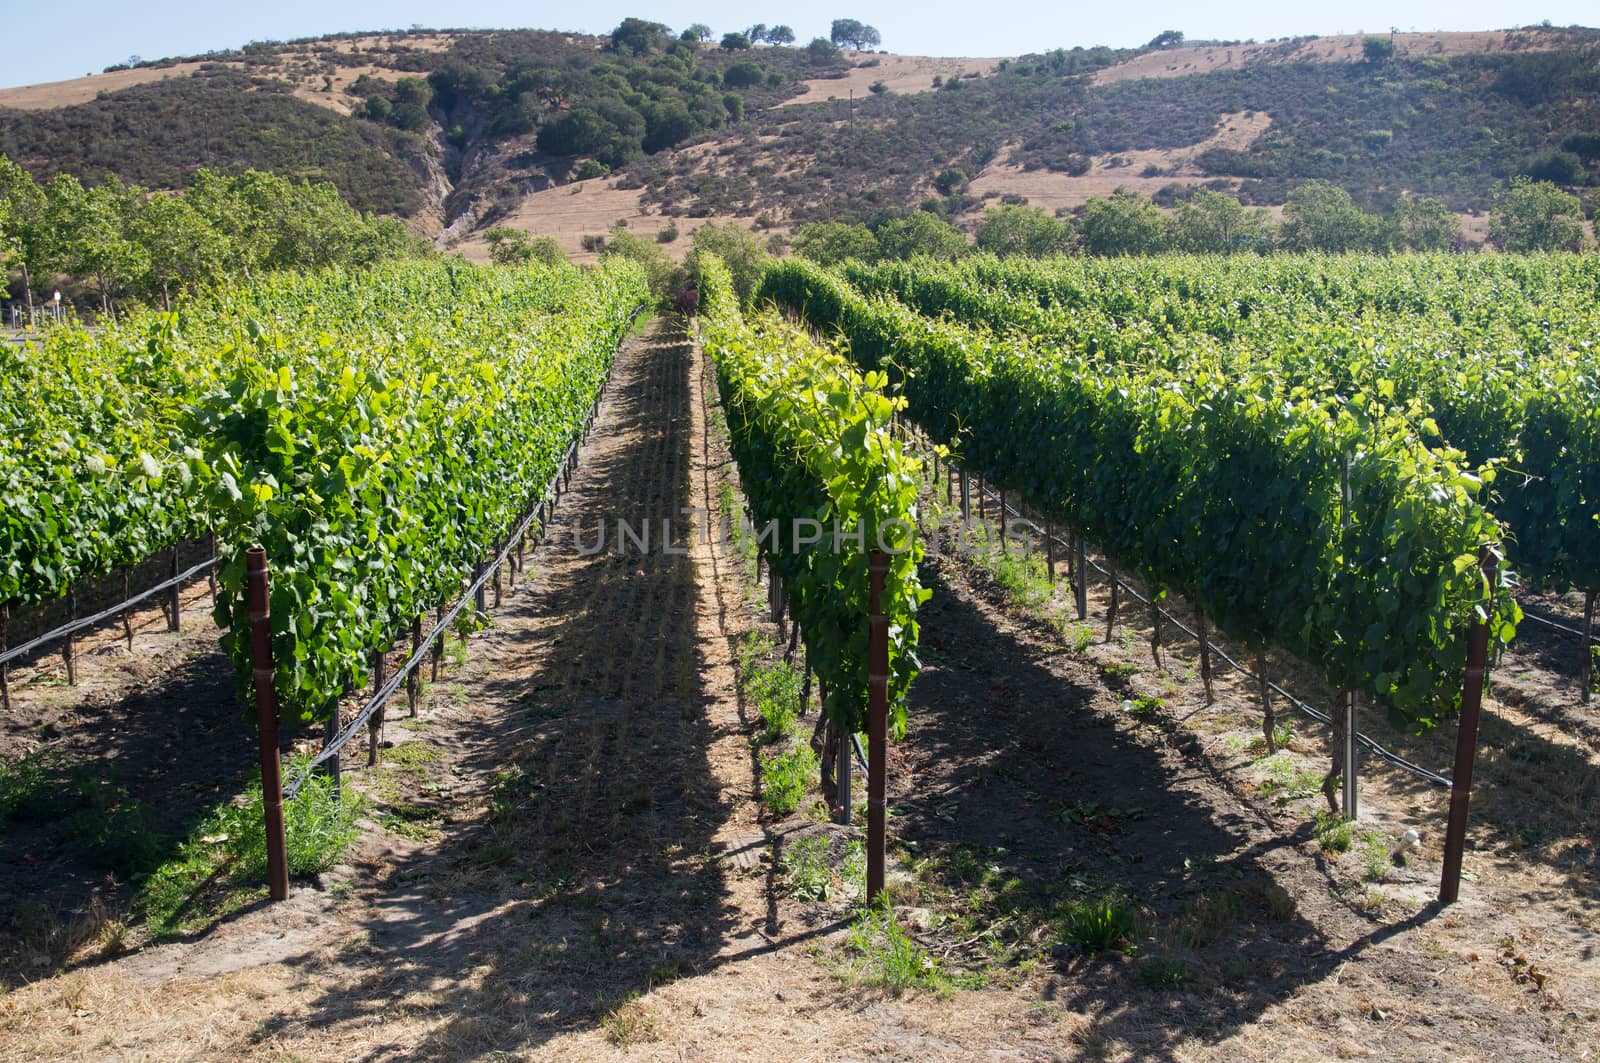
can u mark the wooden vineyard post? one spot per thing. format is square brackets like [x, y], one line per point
[1050, 550]
[336, 762]
[1455, 836]
[267, 721]
[1155, 626]
[211, 573]
[1588, 647]
[877, 724]
[479, 598]
[176, 620]
[966, 499]
[1205, 656]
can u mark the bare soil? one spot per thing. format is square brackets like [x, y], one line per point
[564, 857]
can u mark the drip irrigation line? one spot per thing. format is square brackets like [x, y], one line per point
[105, 614]
[1574, 632]
[1366, 742]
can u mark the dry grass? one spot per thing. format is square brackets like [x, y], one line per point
[1205, 58]
[899, 73]
[572, 211]
[1054, 191]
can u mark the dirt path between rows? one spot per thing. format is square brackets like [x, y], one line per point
[565, 859]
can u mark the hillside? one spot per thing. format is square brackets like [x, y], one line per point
[458, 131]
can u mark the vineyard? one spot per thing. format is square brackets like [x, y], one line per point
[620, 812]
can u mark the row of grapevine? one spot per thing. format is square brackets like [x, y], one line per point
[377, 432]
[1226, 487]
[820, 467]
[1496, 358]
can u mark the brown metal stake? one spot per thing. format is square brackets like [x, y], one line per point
[127, 615]
[1080, 565]
[267, 721]
[438, 642]
[1455, 836]
[413, 678]
[5, 669]
[67, 651]
[172, 573]
[1111, 612]
[380, 676]
[1155, 627]
[877, 725]
[1588, 646]
[1005, 518]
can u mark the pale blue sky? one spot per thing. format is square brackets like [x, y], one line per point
[46, 43]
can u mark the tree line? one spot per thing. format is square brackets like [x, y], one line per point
[117, 241]
[1527, 216]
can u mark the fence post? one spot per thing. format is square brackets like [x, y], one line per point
[1588, 646]
[267, 721]
[1455, 837]
[479, 602]
[877, 723]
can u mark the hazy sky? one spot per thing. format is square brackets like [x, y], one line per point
[44, 43]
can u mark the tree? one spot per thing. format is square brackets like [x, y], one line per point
[852, 33]
[739, 249]
[91, 226]
[665, 276]
[514, 247]
[697, 31]
[638, 36]
[1321, 216]
[757, 33]
[1377, 49]
[921, 233]
[780, 35]
[1166, 39]
[742, 75]
[1558, 168]
[1531, 215]
[735, 42]
[949, 180]
[821, 50]
[24, 235]
[1210, 222]
[1423, 223]
[184, 250]
[832, 242]
[1017, 230]
[1125, 224]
